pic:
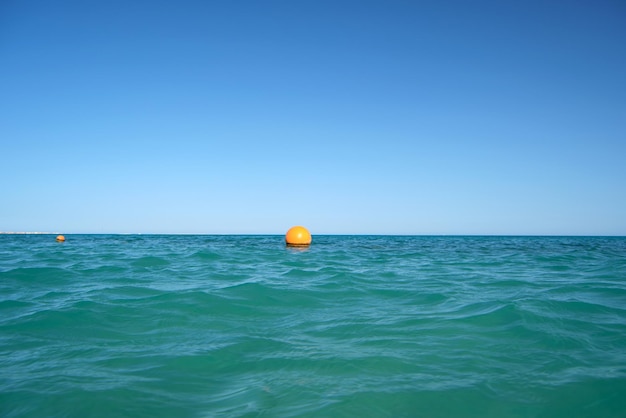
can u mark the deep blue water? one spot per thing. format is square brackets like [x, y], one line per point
[354, 326]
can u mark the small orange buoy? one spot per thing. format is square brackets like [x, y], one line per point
[60, 238]
[298, 236]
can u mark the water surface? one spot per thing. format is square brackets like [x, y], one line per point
[363, 326]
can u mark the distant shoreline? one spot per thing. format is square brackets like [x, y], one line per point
[26, 233]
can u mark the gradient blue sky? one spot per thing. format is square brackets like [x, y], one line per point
[382, 117]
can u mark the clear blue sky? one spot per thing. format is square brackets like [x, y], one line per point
[383, 117]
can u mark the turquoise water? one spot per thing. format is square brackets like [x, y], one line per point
[354, 326]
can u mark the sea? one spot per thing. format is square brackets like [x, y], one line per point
[352, 326]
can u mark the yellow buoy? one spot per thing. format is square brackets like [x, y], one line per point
[60, 238]
[298, 236]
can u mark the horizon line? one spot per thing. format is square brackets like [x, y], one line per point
[320, 234]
